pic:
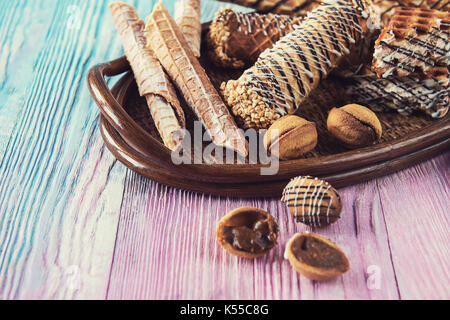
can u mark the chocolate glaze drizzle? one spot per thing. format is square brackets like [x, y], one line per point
[284, 75]
[403, 94]
[277, 6]
[311, 199]
[417, 43]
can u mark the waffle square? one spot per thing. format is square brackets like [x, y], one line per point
[387, 7]
[415, 43]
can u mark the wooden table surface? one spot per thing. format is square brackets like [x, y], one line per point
[77, 224]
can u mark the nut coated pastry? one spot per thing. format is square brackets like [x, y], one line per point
[291, 7]
[236, 39]
[174, 53]
[187, 16]
[283, 77]
[415, 43]
[402, 94]
[152, 81]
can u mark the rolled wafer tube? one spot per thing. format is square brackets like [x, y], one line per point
[236, 39]
[290, 7]
[402, 94]
[187, 16]
[152, 81]
[174, 53]
[283, 76]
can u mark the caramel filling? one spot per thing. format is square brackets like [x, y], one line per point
[318, 254]
[256, 237]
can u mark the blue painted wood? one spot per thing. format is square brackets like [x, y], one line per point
[18, 56]
[48, 176]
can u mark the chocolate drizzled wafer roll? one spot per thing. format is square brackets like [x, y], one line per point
[290, 7]
[178, 60]
[283, 77]
[152, 81]
[236, 39]
[415, 43]
[402, 94]
[187, 16]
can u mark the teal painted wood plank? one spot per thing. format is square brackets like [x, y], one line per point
[18, 56]
[60, 192]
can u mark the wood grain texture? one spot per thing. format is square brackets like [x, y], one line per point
[416, 206]
[158, 256]
[74, 223]
[18, 57]
[59, 192]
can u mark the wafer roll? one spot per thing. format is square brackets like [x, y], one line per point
[402, 94]
[175, 55]
[151, 79]
[187, 16]
[387, 7]
[283, 76]
[290, 7]
[415, 43]
[236, 39]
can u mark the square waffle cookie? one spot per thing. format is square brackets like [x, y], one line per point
[387, 7]
[415, 43]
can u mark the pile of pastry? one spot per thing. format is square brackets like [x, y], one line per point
[391, 55]
[395, 54]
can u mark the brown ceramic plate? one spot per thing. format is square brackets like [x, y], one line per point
[130, 135]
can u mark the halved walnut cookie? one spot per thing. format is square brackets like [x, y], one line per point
[247, 232]
[316, 257]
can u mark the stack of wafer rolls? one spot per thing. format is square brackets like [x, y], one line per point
[283, 76]
[402, 94]
[152, 81]
[187, 16]
[415, 43]
[236, 39]
[174, 53]
[290, 7]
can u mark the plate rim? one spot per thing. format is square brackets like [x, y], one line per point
[139, 163]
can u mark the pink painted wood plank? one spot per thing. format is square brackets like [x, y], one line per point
[166, 249]
[416, 206]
